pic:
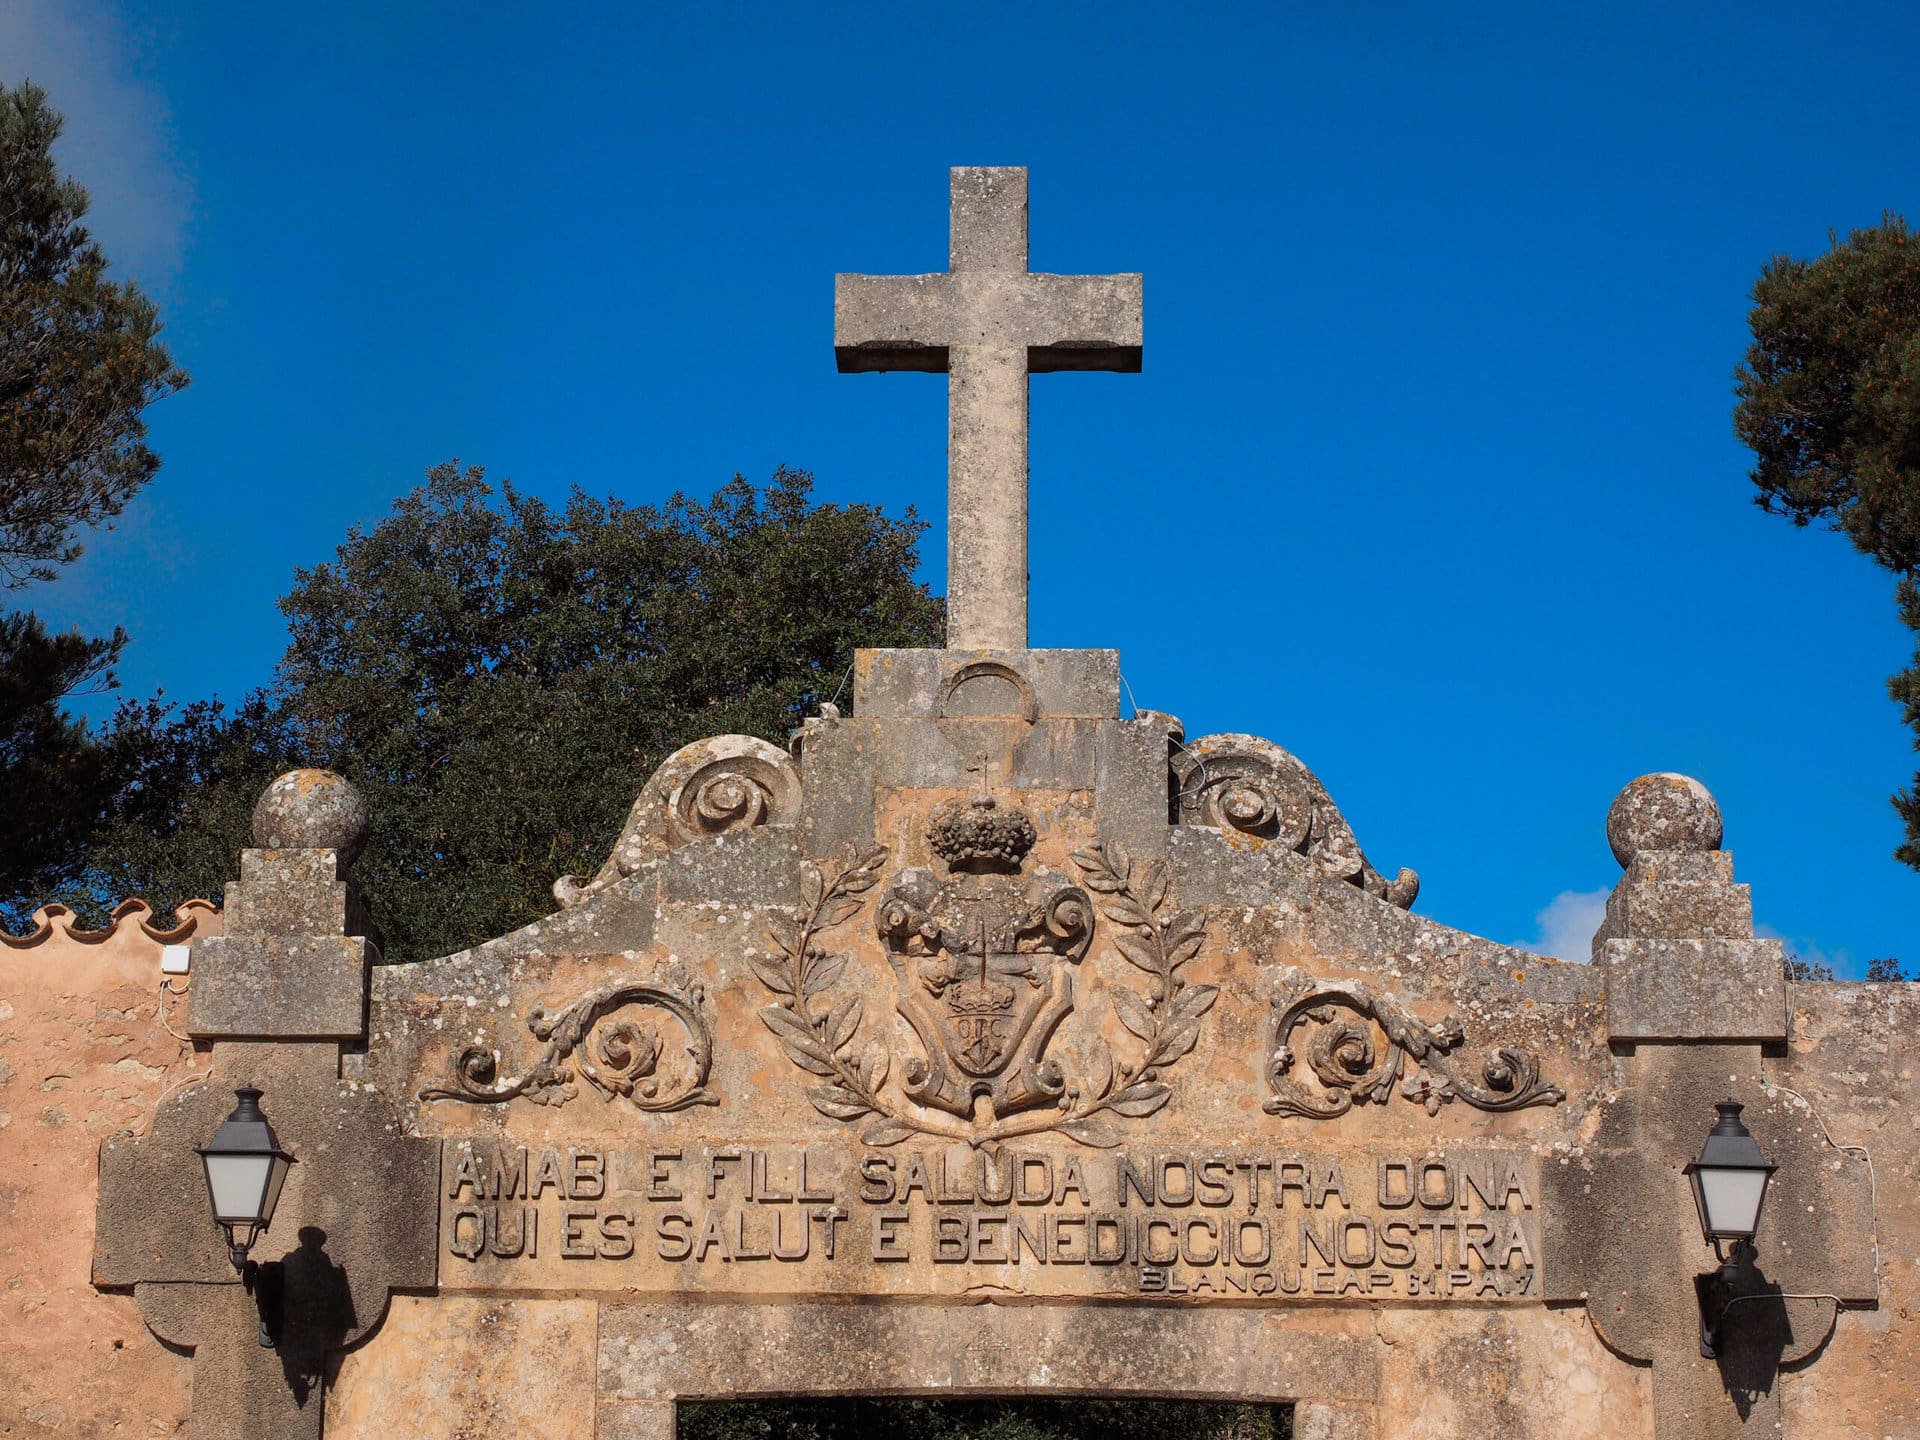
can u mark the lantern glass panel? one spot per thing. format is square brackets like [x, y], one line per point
[274, 1182]
[238, 1184]
[1730, 1198]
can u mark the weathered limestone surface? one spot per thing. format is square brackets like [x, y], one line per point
[1677, 943]
[1505, 1377]
[1696, 989]
[274, 998]
[1694, 1007]
[597, 1333]
[696, 1123]
[1854, 1067]
[1324, 997]
[461, 1367]
[655, 1352]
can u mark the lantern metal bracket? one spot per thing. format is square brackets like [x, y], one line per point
[1729, 1218]
[1718, 1294]
[266, 1286]
[247, 1137]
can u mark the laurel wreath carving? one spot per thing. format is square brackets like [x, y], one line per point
[818, 1034]
[620, 1059]
[1352, 1068]
[1154, 936]
[820, 1030]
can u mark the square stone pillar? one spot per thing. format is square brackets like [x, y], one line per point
[1692, 997]
[277, 995]
[1677, 945]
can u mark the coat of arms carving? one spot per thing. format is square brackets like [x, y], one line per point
[984, 961]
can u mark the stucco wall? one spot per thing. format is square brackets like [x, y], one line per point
[85, 1050]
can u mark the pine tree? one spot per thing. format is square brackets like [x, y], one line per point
[79, 362]
[1829, 402]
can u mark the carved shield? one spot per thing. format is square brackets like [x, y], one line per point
[984, 964]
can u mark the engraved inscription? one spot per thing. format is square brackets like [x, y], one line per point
[1294, 1225]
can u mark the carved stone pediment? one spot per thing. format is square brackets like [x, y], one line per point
[862, 1055]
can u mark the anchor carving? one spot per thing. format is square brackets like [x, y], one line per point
[984, 960]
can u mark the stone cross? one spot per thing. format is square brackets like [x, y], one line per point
[988, 323]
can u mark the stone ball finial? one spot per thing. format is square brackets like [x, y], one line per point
[311, 810]
[1663, 812]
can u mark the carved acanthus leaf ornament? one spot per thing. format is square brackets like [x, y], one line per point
[1356, 1044]
[619, 1055]
[984, 964]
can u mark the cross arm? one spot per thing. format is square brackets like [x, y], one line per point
[1083, 322]
[891, 322]
[1064, 322]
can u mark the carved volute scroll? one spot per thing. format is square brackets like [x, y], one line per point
[611, 1039]
[1335, 1046]
[711, 787]
[1246, 784]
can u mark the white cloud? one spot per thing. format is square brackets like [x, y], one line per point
[1812, 955]
[1567, 925]
[117, 141]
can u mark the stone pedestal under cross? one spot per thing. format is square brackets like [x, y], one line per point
[988, 323]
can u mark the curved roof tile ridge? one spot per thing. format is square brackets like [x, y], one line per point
[54, 919]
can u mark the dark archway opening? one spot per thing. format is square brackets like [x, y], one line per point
[1027, 1418]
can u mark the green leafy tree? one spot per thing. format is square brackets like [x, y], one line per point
[79, 362]
[501, 676]
[1829, 402]
[178, 777]
[1888, 968]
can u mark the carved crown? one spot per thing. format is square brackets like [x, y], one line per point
[979, 830]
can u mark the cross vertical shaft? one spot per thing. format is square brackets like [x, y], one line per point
[986, 497]
[987, 322]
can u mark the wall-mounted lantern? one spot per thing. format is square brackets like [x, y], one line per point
[245, 1169]
[1729, 1187]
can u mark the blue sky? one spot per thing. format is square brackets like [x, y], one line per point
[1429, 476]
